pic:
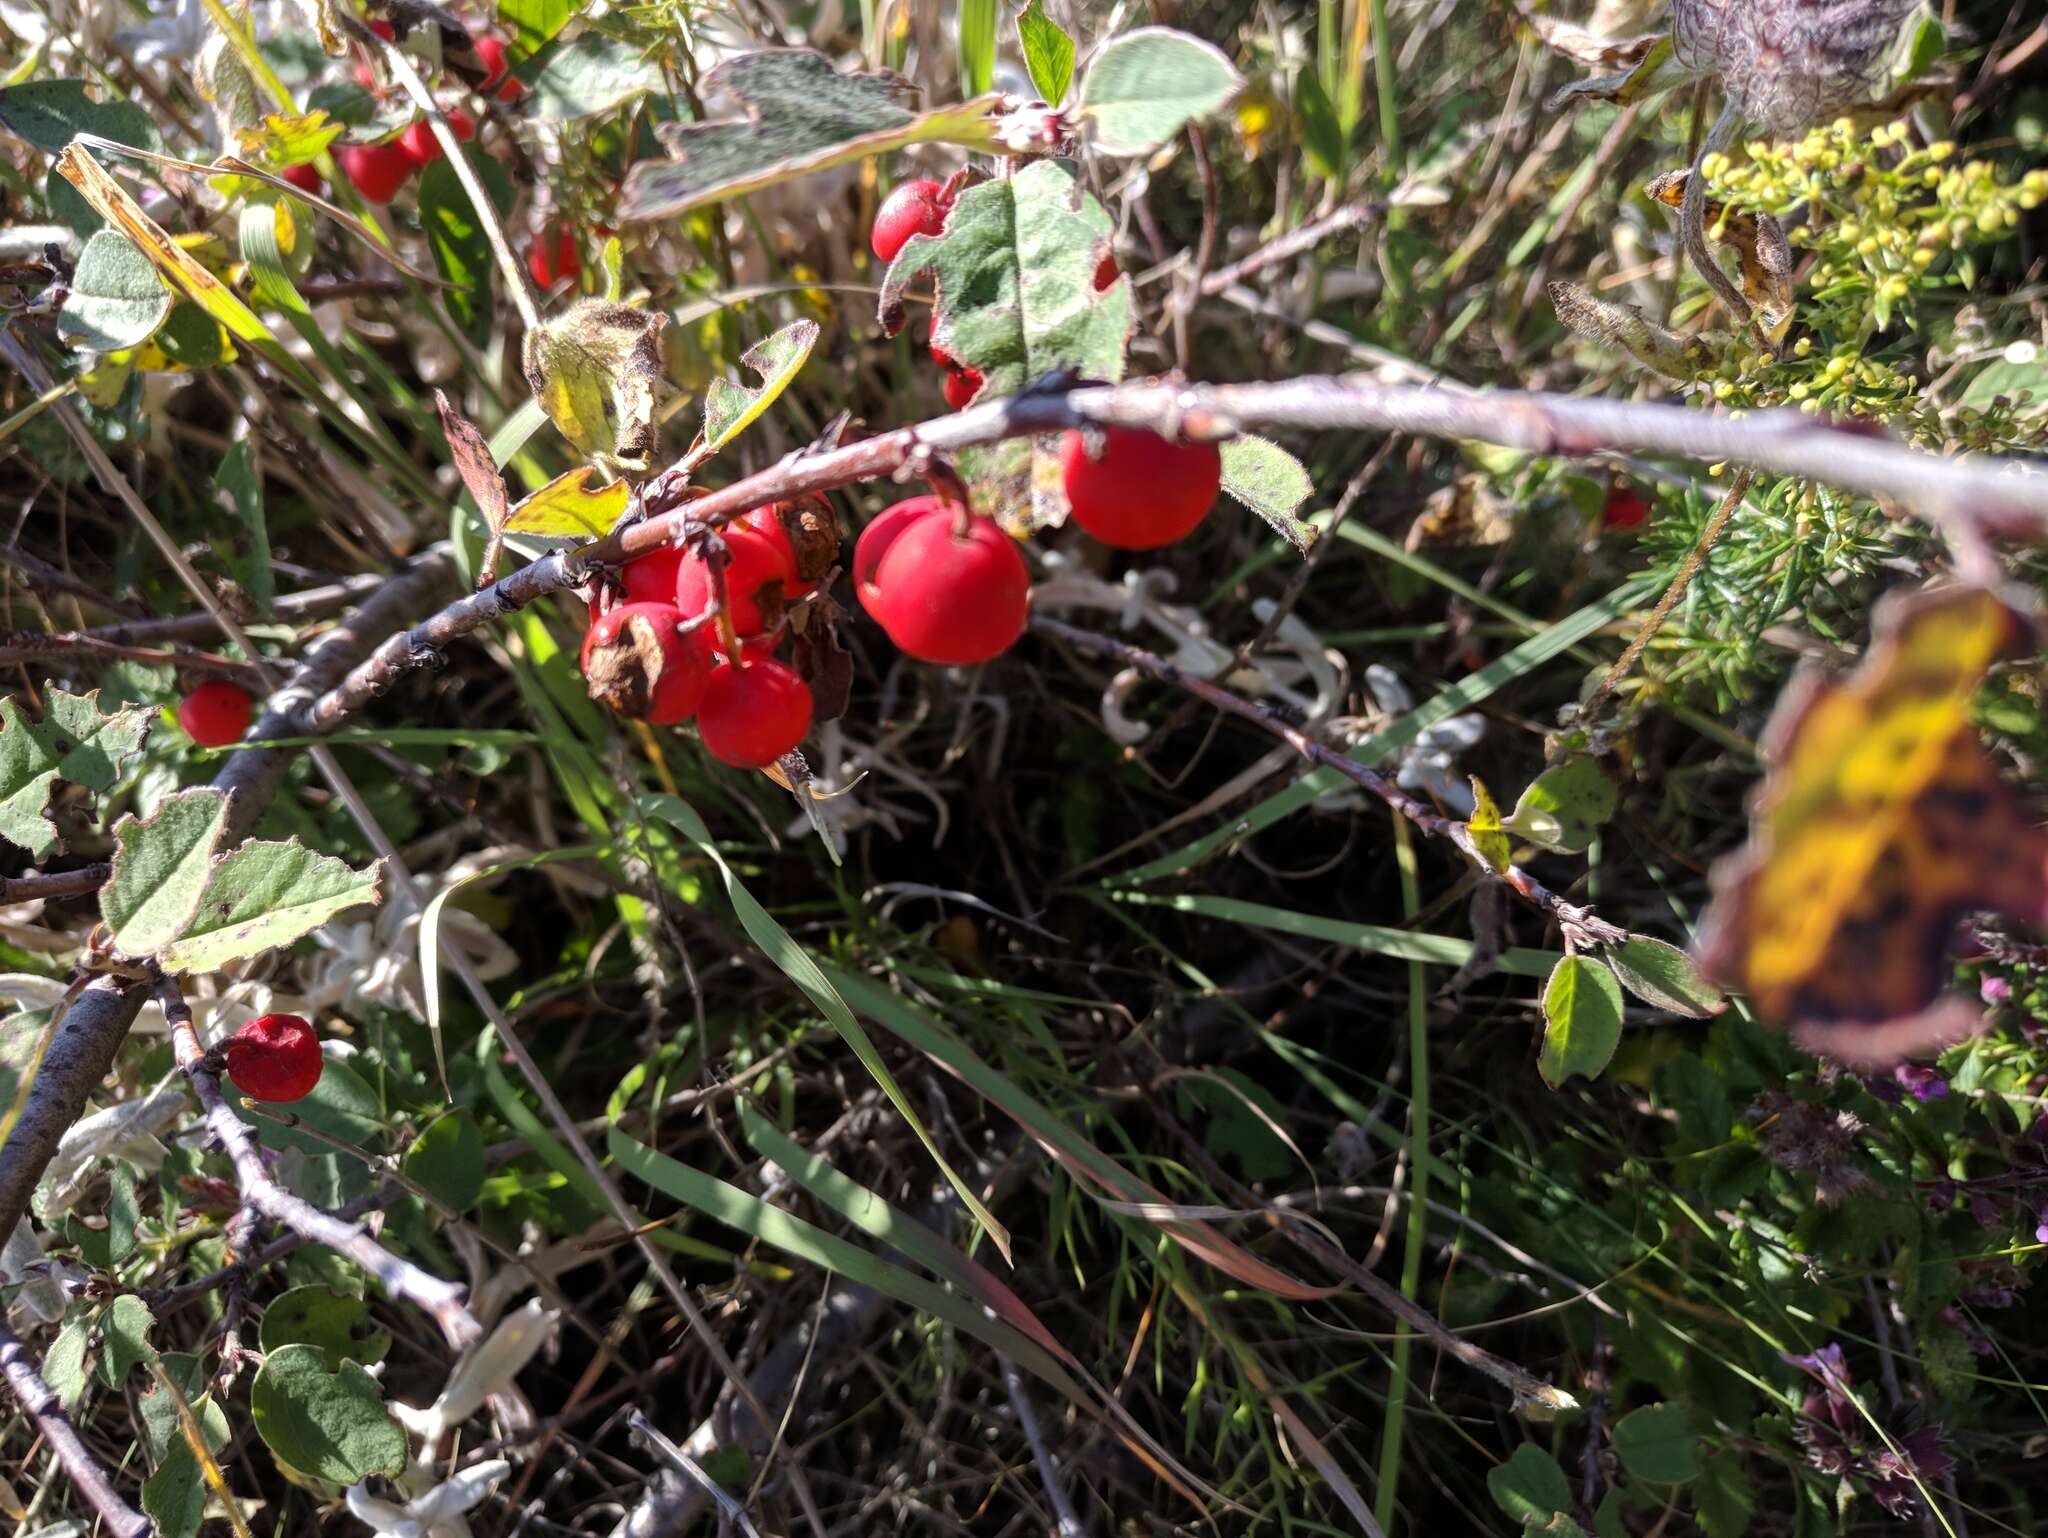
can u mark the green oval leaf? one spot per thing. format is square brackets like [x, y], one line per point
[729, 409]
[1582, 1020]
[116, 299]
[1272, 483]
[1661, 974]
[330, 1425]
[316, 1315]
[1530, 1485]
[1048, 52]
[1656, 1444]
[447, 1159]
[1146, 86]
[1564, 807]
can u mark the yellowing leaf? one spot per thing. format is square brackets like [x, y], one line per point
[593, 370]
[280, 140]
[1485, 828]
[567, 507]
[1880, 823]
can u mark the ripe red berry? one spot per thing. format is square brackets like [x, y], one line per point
[1106, 271]
[915, 208]
[754, 713]
[554, 256]
[962, 385]
[275, 1057]
[638, 661]
[383, 29]
[941, 597]
[303, 177]
[216, 713]
[496, 69]
[1145, 491]
[1626, 508]
[759, 576]
[378, 170]
[651, 578]
[422, 147]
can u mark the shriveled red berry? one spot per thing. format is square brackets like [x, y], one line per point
[554, 256]
[638, 661]
[759, 576]
[216, 713]
[378, 170]
[303, 177]
[1626, 508]
[754, 713]
[914, 208]
[275, 1057]
[1106, 271]
[947, 598]
[1144, 491]
[496, 69]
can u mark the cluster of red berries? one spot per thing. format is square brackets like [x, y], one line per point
[657, 650]
[274, 1057]
[380, 170]
[920, 207]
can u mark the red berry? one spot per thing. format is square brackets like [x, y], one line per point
[1145, 491]
[875, 540]
[962, 385]
[216, 713]
[496, 66]
[1626, 508]
[554, 256]
[754, 713]
[759, 575]
[275, 1057]
[423, 147]
[1106, 271]
[651, 578]
[942, 597]
[383, 29]
[378, 170]
[915, 208]
[638, 661]
[303, 177]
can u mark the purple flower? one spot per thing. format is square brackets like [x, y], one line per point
[1994, 990]
[1924, 1084]
[1799, 1135]
[1896, 1475]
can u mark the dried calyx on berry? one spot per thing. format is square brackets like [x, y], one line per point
[638, 660]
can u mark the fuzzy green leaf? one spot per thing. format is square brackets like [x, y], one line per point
[1530, 1485]
[797, 115]
[1146, 86]
[1581, 1020]
[1272, 483]
[264, 895]
[342, 1327]
[535, 21]
[447, 1160]
[64, 1366]
[162, 863]
[49, 113]
[1048, 52]
[74, 743]
[124, 1339]
[331, 1425]
[591, 73]
[1663, 975]
[1564, 807]
[116, 298]
[594, 372]
[729, 409]
[175, 1495]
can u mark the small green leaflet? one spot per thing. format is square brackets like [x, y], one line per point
[1663, 976]
[64, 1367]
[116, 298]
[1564, 806]
[74, 743]
[569, 508]
[1657, 1445]
[447, 1160]
[797, 115]
[331, 1425]
[1529, 1486]
[264, 895]
[1272, 483]
[535, 21]
[594, 371]
[175, 1495]
[1015, 273]
[1146, 86]
[1048, 53]
[236, 485]
[730, 409]
[124, 1339]
[1581, 1020]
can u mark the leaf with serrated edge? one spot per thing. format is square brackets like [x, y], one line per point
[797, 115]
[264, 895]
[1272, 483]
[1146, 86]
[730, 409]
[1581, 1020]
[568, 508]
[1564, 806]
[589, 74]
[74, 743]
[162, 863]
[1015, 273]
[1663, 975]
[1048, 52]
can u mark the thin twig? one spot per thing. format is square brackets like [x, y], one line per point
[40, 646]
[440, 1300]
[1353, 216]
[1068, 1523]
[63, 883]
[1580, 924]
[87, 1477]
